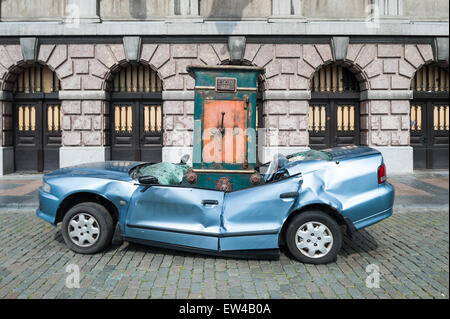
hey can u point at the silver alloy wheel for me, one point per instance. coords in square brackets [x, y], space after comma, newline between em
[83, 230]
[314, 239]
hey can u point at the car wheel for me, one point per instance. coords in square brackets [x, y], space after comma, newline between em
[314, 237]
[87, 228]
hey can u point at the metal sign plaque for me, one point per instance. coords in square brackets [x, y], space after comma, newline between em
[226, 84]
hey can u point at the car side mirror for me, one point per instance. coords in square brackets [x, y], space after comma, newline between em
[148, 180]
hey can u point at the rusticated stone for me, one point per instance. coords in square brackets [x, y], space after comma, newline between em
[278, 82]
[45, 50]
[400, 138]
[298, 83]
[250, 51]
[104, 55]
[66, 123]
[364, 122]
[118, 51]
[367, 55]
[161, 56]
[380, 82]
[189, 82]
[71, 83]
[71, 138]
[189, 107]
[81, 50]
[325, 52]
[59, 55]
[390, 66]
[406, 122]
[277, 107]
[299, 138]
[221, 51]
[352, 51]
[273, 68]
[298, 107]
[311, 56]
[81, 66]
[168, 122]
[271, 122]
[65, 70]
[15, 52]
[399, 107]
[413, 56]
[92, 83]
[97, 122]
[374, 122]
[5, 59]
[288, 66]
[289, 122]
[375, 68]
[168, 69]
[304, 69]
[288, 50]
[400, 82]
[184, 50]
[183, 122]
[97, 68]
[426, 52]
[389, 50]
[390, 123]
[406, 69]
[92, 138]
[380, 138]
[91, 107]
[147, 52]
[71, 107]
[265, 54]
[174, 138]
[173, 107]
[207, 54]
[277, 138]
[379, 107]
[81, 122]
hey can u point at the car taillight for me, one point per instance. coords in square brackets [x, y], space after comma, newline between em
[381, 174]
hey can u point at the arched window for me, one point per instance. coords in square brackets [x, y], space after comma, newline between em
[37, 119]
[136, 114]
[429, 116]
[334, 108]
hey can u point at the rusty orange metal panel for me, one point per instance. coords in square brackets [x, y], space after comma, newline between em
[231, 146]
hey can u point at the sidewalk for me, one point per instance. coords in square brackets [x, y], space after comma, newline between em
[422, 190]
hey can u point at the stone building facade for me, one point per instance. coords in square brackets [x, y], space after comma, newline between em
[86, 44]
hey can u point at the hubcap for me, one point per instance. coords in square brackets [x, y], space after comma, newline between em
[314, 239]
[84, 230]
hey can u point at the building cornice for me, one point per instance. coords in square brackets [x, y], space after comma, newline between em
[226, 28]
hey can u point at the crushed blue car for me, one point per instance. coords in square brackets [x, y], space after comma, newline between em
[306, 201]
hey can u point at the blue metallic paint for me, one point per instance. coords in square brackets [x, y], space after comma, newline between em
[246, 219]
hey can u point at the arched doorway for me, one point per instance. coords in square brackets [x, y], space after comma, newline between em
[334, 108]
[430, 117]
[136, 114]
[37, 119]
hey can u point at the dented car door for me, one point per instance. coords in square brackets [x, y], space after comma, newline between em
[176, 215]
[252, 217]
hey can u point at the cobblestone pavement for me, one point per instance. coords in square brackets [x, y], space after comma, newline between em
[410, 249]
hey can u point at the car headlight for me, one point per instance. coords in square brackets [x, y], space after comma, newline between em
[46, 187]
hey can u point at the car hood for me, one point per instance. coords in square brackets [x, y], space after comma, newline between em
[118, 170]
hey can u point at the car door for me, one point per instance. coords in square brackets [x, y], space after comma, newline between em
[181, 216]
[252, 217]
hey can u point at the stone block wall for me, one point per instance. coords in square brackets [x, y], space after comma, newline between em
[86, 69]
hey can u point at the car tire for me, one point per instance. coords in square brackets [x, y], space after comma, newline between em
[310, 231]
[87, 228]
